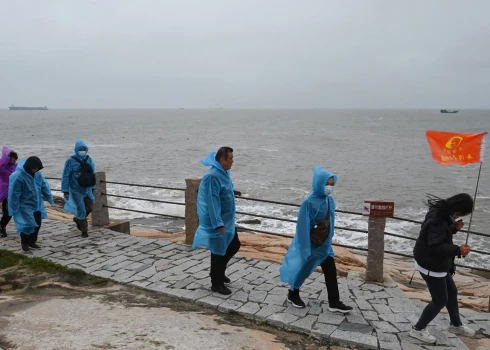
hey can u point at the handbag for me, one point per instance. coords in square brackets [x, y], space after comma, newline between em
[320, 232]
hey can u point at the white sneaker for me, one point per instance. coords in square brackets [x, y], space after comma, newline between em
[422, 335]
[461, 330]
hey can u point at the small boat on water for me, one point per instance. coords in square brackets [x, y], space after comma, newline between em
[449, 111]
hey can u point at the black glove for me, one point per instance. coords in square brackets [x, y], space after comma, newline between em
[452, 270]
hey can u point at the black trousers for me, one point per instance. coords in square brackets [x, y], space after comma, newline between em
[330, 273]
[32, 238]
[219, 262]
[444, 293]
[89, 206]
[6, 217]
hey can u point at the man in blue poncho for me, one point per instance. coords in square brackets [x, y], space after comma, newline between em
[216, 211]
[27, 188]
[77, 185]
[304, 256]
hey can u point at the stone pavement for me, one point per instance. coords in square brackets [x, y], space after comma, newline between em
[381, 318]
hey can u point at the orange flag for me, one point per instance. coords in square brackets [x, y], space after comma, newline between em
[456, 148]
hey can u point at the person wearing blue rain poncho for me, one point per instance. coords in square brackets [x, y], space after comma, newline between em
[303, 256]
[77, 185]
[27, 188]
[216, 211]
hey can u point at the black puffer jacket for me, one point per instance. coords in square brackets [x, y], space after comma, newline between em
[434, 249]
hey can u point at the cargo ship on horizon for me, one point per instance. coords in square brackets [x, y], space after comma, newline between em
[16, 108]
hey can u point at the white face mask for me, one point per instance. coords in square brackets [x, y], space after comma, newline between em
[82, 153]
[328, 190]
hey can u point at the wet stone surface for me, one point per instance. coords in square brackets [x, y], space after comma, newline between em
[381, 318]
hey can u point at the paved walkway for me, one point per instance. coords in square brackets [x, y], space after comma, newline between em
[381, 318]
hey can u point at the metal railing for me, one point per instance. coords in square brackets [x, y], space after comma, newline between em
[145, 212]
[346, 212]
[147, 186]
[273, 218]
[142, 199]
[135, 198]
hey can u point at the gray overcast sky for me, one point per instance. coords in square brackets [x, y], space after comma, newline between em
[245, 53]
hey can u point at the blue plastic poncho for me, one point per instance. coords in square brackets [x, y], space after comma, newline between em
[69, 184]
[303, 257]
[26, 193]
[215, 208]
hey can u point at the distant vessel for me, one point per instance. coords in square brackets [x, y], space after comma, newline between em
[449, 111]
[15, 108]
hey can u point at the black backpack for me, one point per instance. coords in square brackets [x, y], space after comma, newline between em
[86, 176]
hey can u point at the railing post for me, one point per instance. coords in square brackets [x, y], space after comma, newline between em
[100, 213]
[376, 247]
[191, 218]
[377, 212]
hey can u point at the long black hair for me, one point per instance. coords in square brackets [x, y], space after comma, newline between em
[461, 203]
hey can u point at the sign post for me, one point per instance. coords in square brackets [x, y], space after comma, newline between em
[377, 211]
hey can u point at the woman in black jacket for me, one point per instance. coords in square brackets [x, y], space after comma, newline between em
[434, 254]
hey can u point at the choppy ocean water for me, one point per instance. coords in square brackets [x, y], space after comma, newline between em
[377, 155]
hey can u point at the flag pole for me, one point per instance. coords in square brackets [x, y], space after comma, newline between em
[474, 203]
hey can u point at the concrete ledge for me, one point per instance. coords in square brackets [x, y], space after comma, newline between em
[121, 226]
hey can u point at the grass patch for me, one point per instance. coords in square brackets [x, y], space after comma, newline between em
[10, 259]
[43, 265]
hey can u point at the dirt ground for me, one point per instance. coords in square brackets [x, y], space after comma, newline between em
[45, 310]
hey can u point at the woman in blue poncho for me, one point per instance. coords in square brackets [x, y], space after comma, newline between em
[78, 197]
[303, 256]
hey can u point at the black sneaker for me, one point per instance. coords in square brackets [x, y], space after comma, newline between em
[221, 290]
[84, 234]
[293, 298]
[76, 221]
[339, 307]
[25, 248]
[3, 232]
[34, 246]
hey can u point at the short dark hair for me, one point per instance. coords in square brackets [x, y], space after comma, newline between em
[461, 203]
[223, 153]
[13, 155]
